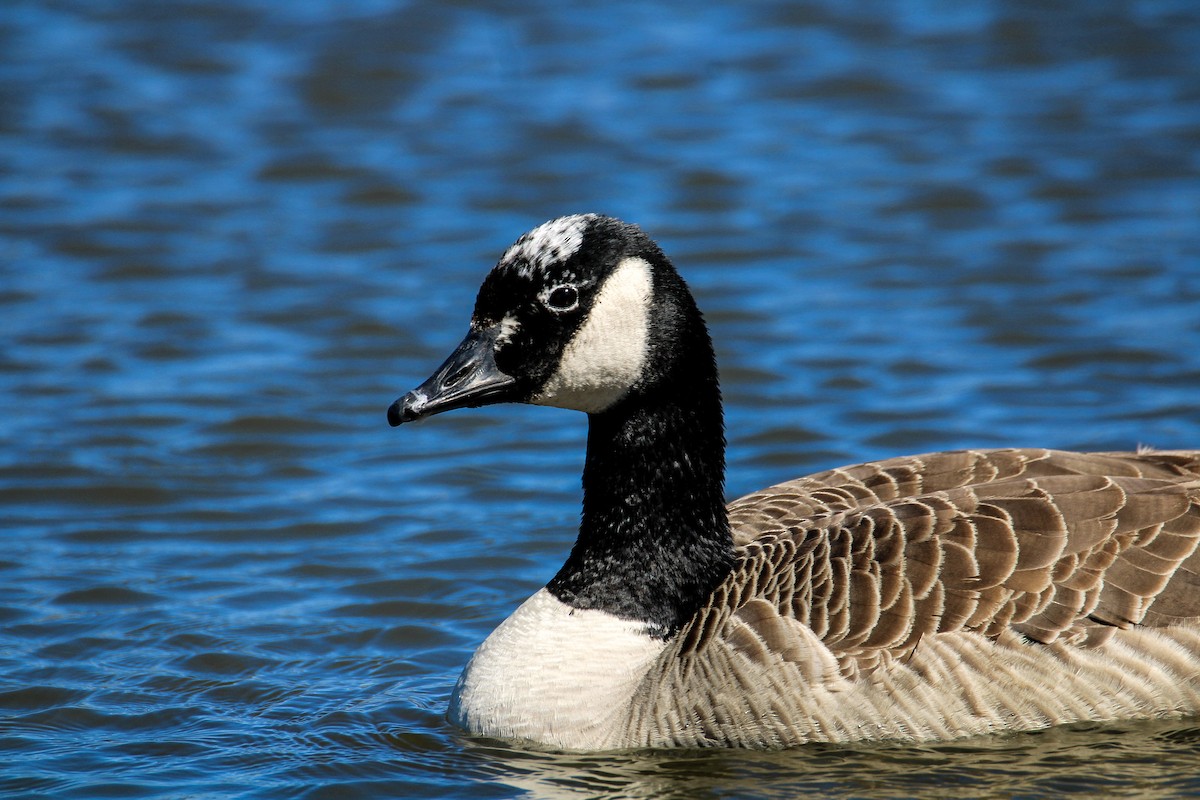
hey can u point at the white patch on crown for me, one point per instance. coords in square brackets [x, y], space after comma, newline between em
[606, 356]
[554, 674]
[549, 243]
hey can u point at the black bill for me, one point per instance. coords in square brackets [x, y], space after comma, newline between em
[469, 378]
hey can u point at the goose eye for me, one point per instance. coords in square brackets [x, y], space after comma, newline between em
[562, 298]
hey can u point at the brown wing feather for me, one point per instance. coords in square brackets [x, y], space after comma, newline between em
[873, 557]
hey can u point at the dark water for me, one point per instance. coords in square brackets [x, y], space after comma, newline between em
[231, 233]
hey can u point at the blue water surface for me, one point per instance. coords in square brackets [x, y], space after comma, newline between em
[233, 231]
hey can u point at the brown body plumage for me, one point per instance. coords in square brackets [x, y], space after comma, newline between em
[943, 567]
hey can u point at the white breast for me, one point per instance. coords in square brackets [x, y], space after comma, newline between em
[554, 674]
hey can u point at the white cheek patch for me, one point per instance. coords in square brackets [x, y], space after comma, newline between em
[606, 356]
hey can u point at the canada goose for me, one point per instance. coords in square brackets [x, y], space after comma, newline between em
[917, 598]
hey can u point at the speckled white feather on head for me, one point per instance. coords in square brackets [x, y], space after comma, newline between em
[508, 328]
[549, 243]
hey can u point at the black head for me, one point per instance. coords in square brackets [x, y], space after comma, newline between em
[578, 313]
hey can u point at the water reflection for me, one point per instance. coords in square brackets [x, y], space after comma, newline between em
[1055, 762]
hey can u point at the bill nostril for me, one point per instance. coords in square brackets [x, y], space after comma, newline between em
[457, 377]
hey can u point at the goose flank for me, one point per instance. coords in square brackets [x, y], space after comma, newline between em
[920, 598]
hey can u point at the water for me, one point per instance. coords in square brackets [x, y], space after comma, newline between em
[231, 233]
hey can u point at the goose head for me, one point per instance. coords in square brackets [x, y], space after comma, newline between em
[584, 312]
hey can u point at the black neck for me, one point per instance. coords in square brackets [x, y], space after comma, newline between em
[654, 538]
